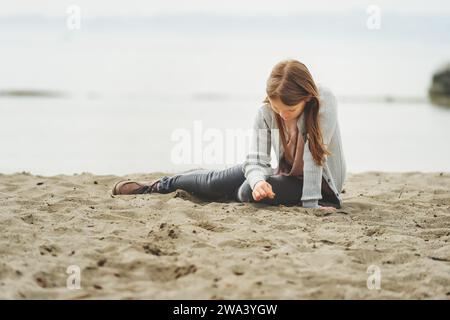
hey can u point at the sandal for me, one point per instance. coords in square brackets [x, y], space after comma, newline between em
[120, 187]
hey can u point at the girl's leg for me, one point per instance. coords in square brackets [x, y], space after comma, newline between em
[209, 184]
[288, 191]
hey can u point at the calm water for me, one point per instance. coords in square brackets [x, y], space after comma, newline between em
[48, 136]
[128, 86]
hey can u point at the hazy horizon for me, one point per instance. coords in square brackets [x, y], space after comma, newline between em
[250, 7]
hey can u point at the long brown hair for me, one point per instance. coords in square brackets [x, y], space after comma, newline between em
[291, 82]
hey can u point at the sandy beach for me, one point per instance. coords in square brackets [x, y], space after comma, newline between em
[176, 246]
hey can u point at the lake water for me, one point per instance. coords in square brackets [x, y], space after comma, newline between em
[125, 88]
[50, 136]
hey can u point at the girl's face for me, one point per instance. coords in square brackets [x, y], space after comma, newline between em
[288, 112]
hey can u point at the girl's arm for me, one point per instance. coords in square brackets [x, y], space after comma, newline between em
[257, 163]
[312, 173]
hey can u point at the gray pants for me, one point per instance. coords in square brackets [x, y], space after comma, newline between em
[230, 184]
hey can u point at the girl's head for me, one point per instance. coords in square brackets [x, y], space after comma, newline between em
[290, 92]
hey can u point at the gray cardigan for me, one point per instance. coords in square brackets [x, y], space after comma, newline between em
[257, 165]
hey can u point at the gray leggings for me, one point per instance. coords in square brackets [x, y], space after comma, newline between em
[231, 184]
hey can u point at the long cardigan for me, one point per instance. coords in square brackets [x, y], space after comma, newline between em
[257, 165]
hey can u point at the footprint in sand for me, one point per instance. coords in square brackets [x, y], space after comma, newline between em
[55, 278]
[364, 256]
[208, 225]
[49, 249]
[168, 273]
[165, 232]
[399, 258]
[356, 207]
[264, 244]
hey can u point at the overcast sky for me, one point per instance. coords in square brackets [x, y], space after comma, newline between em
[247, 7]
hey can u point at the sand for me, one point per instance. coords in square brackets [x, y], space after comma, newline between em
[177, 246]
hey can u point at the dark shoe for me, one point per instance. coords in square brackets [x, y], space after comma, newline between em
[124, 187]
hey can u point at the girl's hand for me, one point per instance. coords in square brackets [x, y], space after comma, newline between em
[262, 190]
[327, 209]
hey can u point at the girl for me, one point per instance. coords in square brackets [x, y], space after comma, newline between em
[311, 166]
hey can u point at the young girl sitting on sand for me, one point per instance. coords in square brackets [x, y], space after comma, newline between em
[311, 166]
